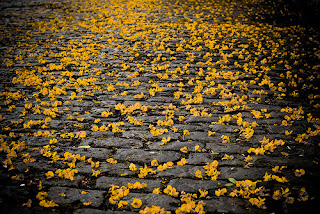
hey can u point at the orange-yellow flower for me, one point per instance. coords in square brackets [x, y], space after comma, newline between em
[198, 174]
[203, 193]
[132, 167]
[46, 203]
[137, 203]
[299, 172]
[156, 191]
[220, 191]
[122, 204]
[49, 174]
[186, 132]
[154, 163]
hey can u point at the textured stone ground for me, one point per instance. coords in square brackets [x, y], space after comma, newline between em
[151, 106]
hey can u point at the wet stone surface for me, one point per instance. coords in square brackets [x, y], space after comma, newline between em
[151, 106]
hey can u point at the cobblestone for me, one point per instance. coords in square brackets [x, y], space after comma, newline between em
[71, 195]
[136, 106]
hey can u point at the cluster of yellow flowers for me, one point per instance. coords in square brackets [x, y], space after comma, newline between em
[118, 193]
[266, 146]
[212, 170]
[228, 66]
[189, 205]
[247, 189]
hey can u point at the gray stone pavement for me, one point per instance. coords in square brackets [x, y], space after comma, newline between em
[137, 106]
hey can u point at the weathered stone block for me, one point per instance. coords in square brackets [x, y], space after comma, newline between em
[138, 155]
[73, 195]
[105, 182]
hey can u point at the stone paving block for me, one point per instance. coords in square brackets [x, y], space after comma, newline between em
[199, 136]
[175, 145]
[105, 182]
[227, 147]
[137, 134]
[74, 196]
[35, 141]
[138, 155]
[242, 173]
[96, 211]
[236, 160]
[112, 169]
[63, 182]
[164, 201]
[230, 205]
[202, 119]
[91, 211]
[161, 99]
[193, 186]
[149, 119]
[96, 153]
[116, 142]
[39, 165]
[148, 136]
[101, 135]
[223, 128]
[192, 127]
[186, 171]
[201, 158]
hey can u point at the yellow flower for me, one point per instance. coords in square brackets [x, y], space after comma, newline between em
[184, 149]
[196, 148]
[203, 193]
[95, 128]
[299, 172]
[113, 199]
[137, 185]
[220, 192]
[111, 88]
[154, 209]
[154, 163]
[49, 174]
[165, 140]
[226, 139]
[97, 120]
[247, 133]
[259, 202]
[132, 167]
[122, 204]
[174, 129]
[198, 174]
[95, 173]
[106, 114]
[28, 204]
[256, 114]
[210, 133]
[182, 162]
[186, 132]
[46, 203]
[81, 134]
[41, 195]
[139, 96]
[112, 161]
[287, 132]
[181, 118]
[156, 191]
[226, 157]
[276, 195]
[171, 191]
[87, 203]
[137, 203]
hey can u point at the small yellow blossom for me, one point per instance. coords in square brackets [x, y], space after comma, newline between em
[137, 203]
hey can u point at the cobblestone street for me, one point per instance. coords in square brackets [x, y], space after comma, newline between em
[162, 106]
